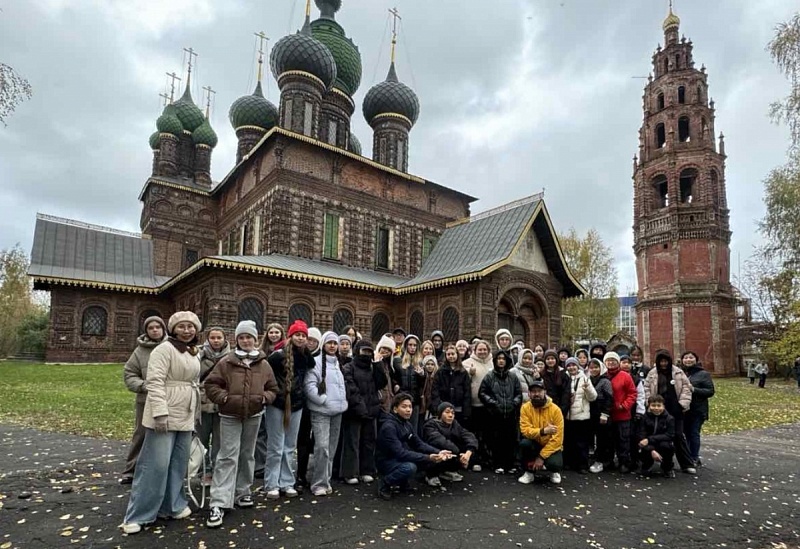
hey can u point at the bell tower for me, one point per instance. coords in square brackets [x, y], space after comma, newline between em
[681, 218]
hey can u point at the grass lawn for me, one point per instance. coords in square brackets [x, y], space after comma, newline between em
[92, 400]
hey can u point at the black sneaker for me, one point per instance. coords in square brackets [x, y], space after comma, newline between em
[669, 474]
[624, 469]
[214, 519]
[126, 480]
[245, 501]
[384, 491]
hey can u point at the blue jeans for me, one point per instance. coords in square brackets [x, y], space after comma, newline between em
[159, 476]
[396, 473]
[281, 444]
[692, 425]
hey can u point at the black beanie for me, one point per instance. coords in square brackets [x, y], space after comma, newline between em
[442, 407]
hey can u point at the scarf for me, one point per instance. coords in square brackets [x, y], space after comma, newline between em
[182, 347]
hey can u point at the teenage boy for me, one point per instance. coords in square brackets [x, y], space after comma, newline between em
[656, 431]
[445, 433]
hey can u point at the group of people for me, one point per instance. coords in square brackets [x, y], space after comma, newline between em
[260, 405]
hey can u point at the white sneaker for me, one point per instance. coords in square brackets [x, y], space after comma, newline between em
[596, 467]
[476, 468]
[526, 478]
[319, 492]
[499, 471]
[328, 491]
[290, 492]
[131, 528]
[452, 476]
[555, 478]
[183, 514]
[367, 479]
[273, 494]
[433, 481]
[351, 481]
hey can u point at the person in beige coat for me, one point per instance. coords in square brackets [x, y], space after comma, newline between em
[169, 418]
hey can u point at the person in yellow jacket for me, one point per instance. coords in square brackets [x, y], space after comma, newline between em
[541, 426]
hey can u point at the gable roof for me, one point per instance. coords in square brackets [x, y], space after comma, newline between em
[475, 248]
[90, 255]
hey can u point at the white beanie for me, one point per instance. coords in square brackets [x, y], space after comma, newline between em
[247, 327]
[314, 333]
[611, 355]
[184, 316]
[327, 337]
[387, 342]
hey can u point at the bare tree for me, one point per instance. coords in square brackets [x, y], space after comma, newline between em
[13, 90]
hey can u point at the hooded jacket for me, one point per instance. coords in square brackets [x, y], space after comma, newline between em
[482, 367]
[601, 407]
[556, 382]
[454, 386]
[451, 437]
[208, 359]
[334, 400]
[135, 371]
[241, 390]
[408, 379]
[601, 346]
[657, 429]
[438, 352]
[532, 420]
[502, 331]
[303, 362]
[397, 441]
[678, 382]
[500, 391]
[624, 393]
[703, 389]
[583, 394]
[364, 380]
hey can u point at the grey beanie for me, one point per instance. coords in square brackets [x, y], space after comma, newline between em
[247, 327]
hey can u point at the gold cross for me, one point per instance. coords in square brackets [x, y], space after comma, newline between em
[209, 92]
[174, 77]
[396, 17]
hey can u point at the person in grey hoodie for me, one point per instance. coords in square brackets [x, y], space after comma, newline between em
[326, 399]
[134, 375]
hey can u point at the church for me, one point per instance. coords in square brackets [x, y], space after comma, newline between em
[303, 226]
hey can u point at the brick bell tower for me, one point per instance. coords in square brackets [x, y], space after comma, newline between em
[681, 218]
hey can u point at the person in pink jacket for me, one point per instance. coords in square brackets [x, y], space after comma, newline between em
[624, 392]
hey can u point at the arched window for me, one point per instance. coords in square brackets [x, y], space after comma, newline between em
[252, 309]
[661, 101]
[660, 189]
[342, 318]
[145, 315]
[416, 325]
[666, 65]
[301, 311]
[715, 187]
[380, 326]
[683, 129]
[681, 95]
[661, 136]
[450, 324]
[687, 182]
[677, 62]
[699, 93]
[94, 321]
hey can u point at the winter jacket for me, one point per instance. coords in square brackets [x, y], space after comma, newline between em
[407, 379]
[601, 407]
[500, 391]
[208, 359]
[334, 401]
[679, 381]
[556, 382]
[751, 370]
[241, 390]
[363, 381]
[624, 395]
[641, 402]
[657, 429]
[303, 362]
[451, 437]
[482, 367]
[532, 420]
[703, 389]
[523, 383]
[135, 372]
[453, 386]
[581, 397]
[172, 388]
[387, 393]
[397, 441]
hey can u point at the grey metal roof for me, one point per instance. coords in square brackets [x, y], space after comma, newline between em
[68, 249]
[315, 267]
[473, 246]
[178, 181]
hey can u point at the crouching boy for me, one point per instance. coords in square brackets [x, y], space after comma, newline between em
[656, 431]
[541, 426]
[445, 433]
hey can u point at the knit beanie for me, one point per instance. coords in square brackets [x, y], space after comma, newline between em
[386, 342]
[315, 333]
[430, 358]
[572, 360]
[184, 316]
[611, 355]
[345, 337]
[298, 326]
[158, 319]
[246, 327]
[442, 407]
[328, 337]
[550, 352]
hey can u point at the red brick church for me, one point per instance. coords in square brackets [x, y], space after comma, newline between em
[305, 226]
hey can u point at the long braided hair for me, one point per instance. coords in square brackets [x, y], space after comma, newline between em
[288, 370]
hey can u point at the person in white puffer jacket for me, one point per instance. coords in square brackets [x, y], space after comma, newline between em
[577, 428]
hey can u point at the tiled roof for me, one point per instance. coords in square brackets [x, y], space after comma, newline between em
[69, 250]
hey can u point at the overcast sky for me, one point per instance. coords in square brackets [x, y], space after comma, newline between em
[516, 95]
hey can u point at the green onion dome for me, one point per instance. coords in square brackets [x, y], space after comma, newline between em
[168, 122]
[253, 110]
[205, 135]
[303, 52]
[155, 140]
[345, 54]
[391, 97]
[188, 113]
[354, 145]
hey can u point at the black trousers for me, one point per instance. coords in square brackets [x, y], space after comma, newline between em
[666, 450]
[622, 441]
[681, 446]
[502, 436]
[762, 380]
[577, 439]
[305, 447]
[480, 425]
[602, 436]
[358, 450]
[634, 441]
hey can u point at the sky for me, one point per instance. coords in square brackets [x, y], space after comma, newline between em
[516, 96]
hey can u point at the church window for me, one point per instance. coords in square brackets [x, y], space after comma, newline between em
[683, 129]
[341, 319]
[94, 321]
[382, 248]
[231, 243]
[287, 114]
[661, 101]
[417, 323]
[715, 187]
[301, 311]
[308, 119]
[401, 155]
[191, 258]
[661, 136]
[687, 184]
[677, 62]
[331, 248]
[252, 309]
[379, 327]
[450, 324]
[666, 65]
[243, 243]
[681, 95]
[699, 94]
[661, 188]
[428, 243]
[332, 127]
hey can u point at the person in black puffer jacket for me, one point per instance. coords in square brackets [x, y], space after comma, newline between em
[702, 390]
[655, 436]
[364, 377]
[556, 382]
[452, 384]
[408, 376]
[445, 432]
[501, 394]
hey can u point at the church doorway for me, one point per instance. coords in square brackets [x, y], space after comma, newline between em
[524, 314]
